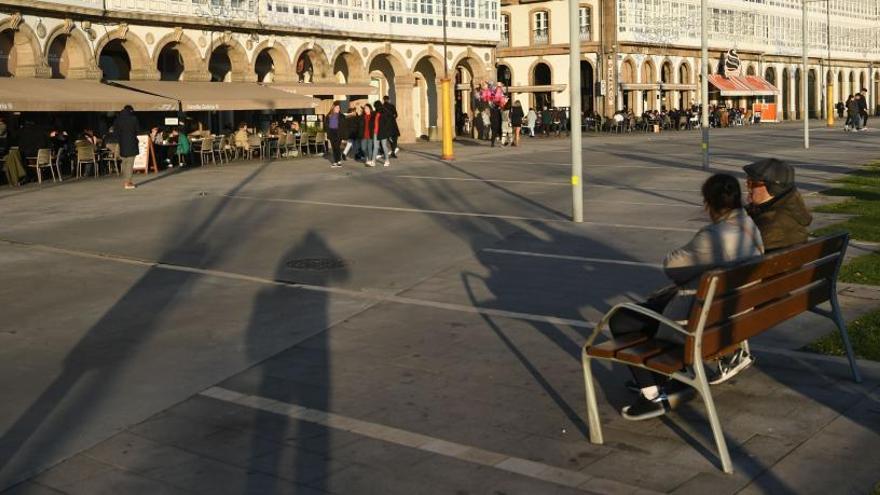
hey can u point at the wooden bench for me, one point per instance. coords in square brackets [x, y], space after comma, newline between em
[731, 306]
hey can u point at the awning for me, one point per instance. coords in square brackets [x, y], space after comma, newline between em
[640, 86]
[678, 87]
[326, 89]
[742, 85]
[546, 88]
[19, 94]
[216, 96]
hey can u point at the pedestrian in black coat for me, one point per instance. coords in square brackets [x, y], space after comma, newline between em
[127, 127]
[391, 112]
[495, 122]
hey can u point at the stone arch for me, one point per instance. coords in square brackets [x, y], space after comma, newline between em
[666, 71]
[628, 71]
[472, 63]
[75, 59]
[684, 68]
[541, 74]
[24, 58]
[751, 71]
[281, 68]
[648, 75]
[311, 59]
[239, 69]
[138, 55]
[193, 65]
[428, 70]
[504, 73]
[355, 69]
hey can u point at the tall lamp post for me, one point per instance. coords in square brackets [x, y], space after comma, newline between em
[704, 84]
[446, 99]
[805, 108]
[574, 89]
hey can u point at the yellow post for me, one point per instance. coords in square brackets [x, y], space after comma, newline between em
[829, 97]
[448, 120]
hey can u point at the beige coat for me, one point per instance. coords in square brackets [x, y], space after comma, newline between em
[732, 239]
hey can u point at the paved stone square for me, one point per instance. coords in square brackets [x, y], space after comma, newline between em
[179, 338]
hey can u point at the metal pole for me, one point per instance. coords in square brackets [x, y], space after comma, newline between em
[574, 90]
[704, 88]
[829, 97]
[804, 78]
[446, 113]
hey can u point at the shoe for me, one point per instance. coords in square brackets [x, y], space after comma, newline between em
[646, 408]
[129, 185]
[396, 150]
[370, 164]
[386, 164]
[730, 366]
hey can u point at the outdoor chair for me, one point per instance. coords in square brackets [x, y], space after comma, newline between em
[207, 149]
[320, 141]
[217, 150]
[112, 158]
[227, 148]
[85, 154]
[304, 144]
[44, 160]
[255, 145]
[290, 144]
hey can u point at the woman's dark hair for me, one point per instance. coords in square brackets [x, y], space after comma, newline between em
[721, 193]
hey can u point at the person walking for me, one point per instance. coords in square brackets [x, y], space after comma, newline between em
[382, 129]
[546, 121]
[391, 114]
[516, 121]
[531, 120]
[334, 133]
[353, 126]
[495, 123]
[863, 109]
[853, 110]
[366, 124]
[126, 126]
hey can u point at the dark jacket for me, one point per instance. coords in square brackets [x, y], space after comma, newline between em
[495, 120]
[863, 105]
[783, 220]
[390, 112]
[386, 125]
[354, 126]
[126, 126]
[516, 116]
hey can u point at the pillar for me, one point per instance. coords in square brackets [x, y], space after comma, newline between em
[403, 92]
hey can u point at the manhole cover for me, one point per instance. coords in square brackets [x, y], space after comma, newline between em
[317, 264]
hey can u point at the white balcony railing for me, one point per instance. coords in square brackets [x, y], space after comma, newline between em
[585, 33]
[541, 37]
[504, 43]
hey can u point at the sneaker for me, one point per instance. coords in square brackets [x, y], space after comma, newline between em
[129, 185]
[386, 164]
[396, 150]
[646, 408]
[370, 164]
[730, 366]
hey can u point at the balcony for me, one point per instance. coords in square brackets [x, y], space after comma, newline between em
[505, 41]
[541, 37]
[585, 33]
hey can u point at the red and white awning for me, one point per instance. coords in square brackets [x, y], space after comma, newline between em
[742, 85]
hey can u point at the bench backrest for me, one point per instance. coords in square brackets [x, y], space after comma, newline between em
[752, 297]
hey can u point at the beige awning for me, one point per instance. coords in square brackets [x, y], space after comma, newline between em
[326, 89]
[678, 87]
[546, 88]
[19, 94]
[216, 96]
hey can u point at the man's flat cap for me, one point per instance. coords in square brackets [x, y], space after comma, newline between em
[777, 175]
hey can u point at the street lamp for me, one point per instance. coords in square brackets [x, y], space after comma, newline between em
[704, 84]
[805, 71]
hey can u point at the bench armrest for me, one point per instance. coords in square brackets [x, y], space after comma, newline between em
[638, 309]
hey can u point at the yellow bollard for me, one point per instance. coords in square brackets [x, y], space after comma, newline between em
[829, 97]
[448, 120]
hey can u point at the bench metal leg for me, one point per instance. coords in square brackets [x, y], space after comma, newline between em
[844, 336]
[702, 387]
[592, 410]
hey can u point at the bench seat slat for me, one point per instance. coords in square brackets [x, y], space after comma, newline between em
[747, 325]
[609, 348]
[668, 361]
[639, 353]
[765, 291]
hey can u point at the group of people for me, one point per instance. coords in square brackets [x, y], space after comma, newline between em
[774, 217]
[856, 108]
[370, 132]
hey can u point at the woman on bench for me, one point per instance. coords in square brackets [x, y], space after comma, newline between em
[730, 238]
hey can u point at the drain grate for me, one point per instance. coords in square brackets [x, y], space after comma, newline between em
[317, 264]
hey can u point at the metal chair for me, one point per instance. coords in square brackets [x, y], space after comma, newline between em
[112, 157]
[255, 144]
[320, 141]
[207, 148]
[44, 160]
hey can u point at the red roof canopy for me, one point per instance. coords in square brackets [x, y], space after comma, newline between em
[742, 85]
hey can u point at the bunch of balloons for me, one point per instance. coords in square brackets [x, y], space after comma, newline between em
[492, 93]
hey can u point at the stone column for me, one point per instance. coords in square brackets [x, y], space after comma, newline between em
[638, 104]
[440, 122]
[197, 75]
[144, 74]
[403, 91]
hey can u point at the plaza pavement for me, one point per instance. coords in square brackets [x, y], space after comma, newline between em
[168, 340]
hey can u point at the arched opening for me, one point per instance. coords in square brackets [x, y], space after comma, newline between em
[542, 76]
[684, 77]
[265, 67]
[587, 87]
[798, 92]
[220, 65]
[649, 76]
[751, 71]
[505, 77]
[348, 67]
[340, 70]
[812, 95]
[863, 83]
[852, 83]
[770, 76]
[305, 70]
[666, 102]
[170, 63]
[425, 96]
[875, 91]
[841, 93]
[59, 58]
[786, 94]
[114, 62]
[8, 57]
[628, 76]
[382, 74]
